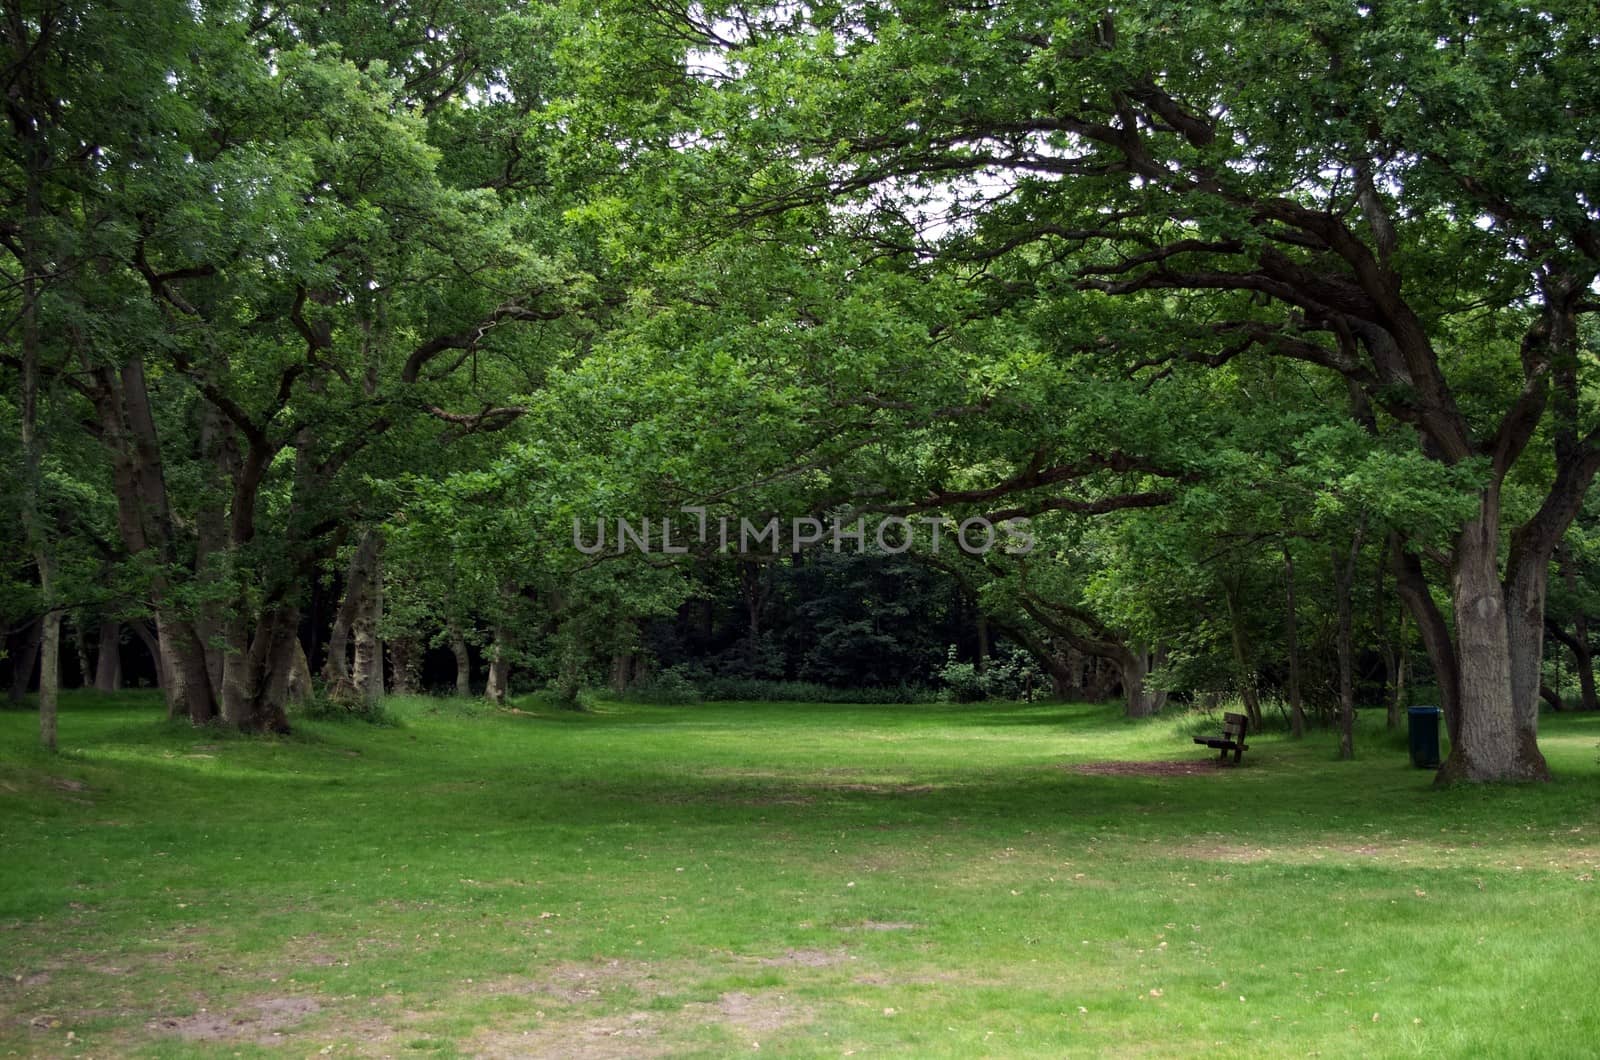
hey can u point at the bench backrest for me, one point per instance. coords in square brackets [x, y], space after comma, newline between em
[1234, 725]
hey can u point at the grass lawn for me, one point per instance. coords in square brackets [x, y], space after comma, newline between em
[795, 879]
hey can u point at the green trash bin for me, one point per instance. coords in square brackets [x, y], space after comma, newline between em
[1423, 725]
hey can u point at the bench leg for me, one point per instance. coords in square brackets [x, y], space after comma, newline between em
[1238, 755]
[1222, 759]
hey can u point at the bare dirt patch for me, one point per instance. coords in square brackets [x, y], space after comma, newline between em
[639, 1033]
[263, 1019]
[744, 1013]
[881, 925]
[576, 983]
[805, 959]
[1182, 768]
[617, 1037]
[1231, 852]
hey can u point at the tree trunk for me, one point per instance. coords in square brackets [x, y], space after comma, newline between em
[1402, 656]
[1291, 631]
[34, 522]
[1577, 641]
[144, 522]
[49, 664]
[1498, 738]
[1344, 576]
[498, 684]
[300, 676]
[569, 677]
[621, 671]
[108, 658]
[80, 645]
[152, 644]
[403, 665]
[458, 648]
[1435, 633]
[260, 676]
[1244, 669]
[366, 676]
[220, 455]
[983, 643]
[354, 608]
[1134, 667]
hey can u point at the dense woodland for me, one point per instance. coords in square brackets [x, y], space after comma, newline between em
[326, 324]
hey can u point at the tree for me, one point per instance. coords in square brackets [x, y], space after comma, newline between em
[1429, 186]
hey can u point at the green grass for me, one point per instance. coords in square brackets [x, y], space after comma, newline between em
[927, 880]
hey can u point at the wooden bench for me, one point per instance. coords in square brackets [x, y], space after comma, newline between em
[1230, 739]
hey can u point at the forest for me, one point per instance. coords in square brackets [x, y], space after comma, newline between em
[611, 528]
[325, 322]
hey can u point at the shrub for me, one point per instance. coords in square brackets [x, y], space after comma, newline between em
[321, 707]
[1005, 677]
[961, 680]
[671, 686]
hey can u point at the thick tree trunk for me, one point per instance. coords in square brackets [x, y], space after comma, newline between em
[300, 676]
[220, 454]
[144, 522]
[622, 664]
[260, 676]
[1435, 633]
[108, 658]
[353, 609]
[403, 665]
[35, 524]
[498, 684]
[1134, 667]
[1498, 738]
[49, 662]
[1291, 636]
[458, 648]
[366, 676]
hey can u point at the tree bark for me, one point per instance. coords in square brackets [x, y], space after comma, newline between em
[49, 671]
[353, 609]
[1134, 666]
[1498, 739]
[1344, 575]
[108, 657]
[80, 645]
[366, 676]
[1402, 657]
[300, 676]
[144, 522]
[1412, 586]
[458, 648]
[1291, 632]
[152, 644]
[33, 517]
[403, 663]
[498, 684]
[1244, 669]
